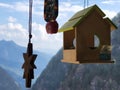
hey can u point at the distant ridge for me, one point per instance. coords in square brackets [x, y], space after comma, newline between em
[7, 82]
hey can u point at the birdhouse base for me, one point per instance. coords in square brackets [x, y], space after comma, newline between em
[98, 61]
[69, 56]
[68, 61]
[89, 61]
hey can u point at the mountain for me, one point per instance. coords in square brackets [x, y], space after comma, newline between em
[7, 82]
[116, 38]
[64, 76]
[54, 73]
[11, 59]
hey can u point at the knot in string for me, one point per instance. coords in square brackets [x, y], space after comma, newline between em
[30, 20]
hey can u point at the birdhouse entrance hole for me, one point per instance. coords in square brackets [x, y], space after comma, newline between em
[68, 40]
[96, 42]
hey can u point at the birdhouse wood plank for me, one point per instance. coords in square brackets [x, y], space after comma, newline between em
[92, 34]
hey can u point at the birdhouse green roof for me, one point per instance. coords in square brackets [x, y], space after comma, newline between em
[80, 16]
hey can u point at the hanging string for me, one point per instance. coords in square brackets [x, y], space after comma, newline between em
[86, 3]
[30, 46]
[30, 20]
[29, 57]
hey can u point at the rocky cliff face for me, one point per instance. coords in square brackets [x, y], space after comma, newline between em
[63, 76]
[52, 77]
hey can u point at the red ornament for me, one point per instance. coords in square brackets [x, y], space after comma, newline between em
[52, 27]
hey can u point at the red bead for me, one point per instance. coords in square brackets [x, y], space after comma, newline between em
[52, 27]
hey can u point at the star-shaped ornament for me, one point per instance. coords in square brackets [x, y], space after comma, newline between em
[28, 67]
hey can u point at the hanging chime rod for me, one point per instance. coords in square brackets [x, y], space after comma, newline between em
[29, 57]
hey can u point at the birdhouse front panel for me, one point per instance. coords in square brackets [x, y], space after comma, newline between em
[91, 26]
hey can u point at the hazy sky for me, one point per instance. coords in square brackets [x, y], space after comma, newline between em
[14, 21]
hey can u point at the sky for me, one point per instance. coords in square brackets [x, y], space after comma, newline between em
[14, 21]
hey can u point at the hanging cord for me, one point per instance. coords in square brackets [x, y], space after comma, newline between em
[30, 46]
[29, 57]
[86, 3]
[30, 20]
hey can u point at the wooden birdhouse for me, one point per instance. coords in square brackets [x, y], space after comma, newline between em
[90, 31]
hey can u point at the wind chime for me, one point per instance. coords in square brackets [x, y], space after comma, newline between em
[29, 57]
[50, 15]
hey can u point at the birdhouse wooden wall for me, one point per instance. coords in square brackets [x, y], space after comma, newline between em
[85, 32]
